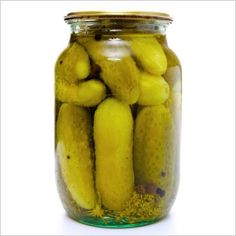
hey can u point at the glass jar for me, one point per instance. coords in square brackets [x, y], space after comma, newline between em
[117, 119]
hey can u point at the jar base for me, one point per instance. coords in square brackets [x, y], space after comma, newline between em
[109, 222]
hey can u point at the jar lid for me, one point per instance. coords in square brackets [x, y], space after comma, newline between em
[118, 15]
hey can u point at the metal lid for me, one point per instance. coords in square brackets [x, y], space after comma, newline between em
[118, 15]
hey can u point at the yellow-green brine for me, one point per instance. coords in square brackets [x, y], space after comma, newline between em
[117, 119]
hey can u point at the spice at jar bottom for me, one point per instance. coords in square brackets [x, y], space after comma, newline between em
[117, 119]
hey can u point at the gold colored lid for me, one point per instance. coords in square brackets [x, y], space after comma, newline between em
[118, 15]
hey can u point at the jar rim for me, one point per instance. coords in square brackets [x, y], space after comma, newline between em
[135, 15]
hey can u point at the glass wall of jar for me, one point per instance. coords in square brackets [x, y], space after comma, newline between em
[117, 119]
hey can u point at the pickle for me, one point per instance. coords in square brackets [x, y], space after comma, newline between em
[173, 78]
[149, 54]
[173, 72]
[74, 134]
[113, 135]
[154, 148]
[73, 64]
[85, 93]
[118, 69]
[154, 90]
[172, 58]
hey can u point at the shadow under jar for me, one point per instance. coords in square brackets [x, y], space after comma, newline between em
[117, 119]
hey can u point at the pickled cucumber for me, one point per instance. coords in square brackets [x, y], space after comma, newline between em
[154, 90]
[74, 134]
[118, 69]
[173, 78]
[113, 135]
[154, 148]
[149, 54]
[173, 72]
[73, 64]
[172, 59]
[87, 93]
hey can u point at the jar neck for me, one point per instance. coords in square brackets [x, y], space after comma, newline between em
[117, 26]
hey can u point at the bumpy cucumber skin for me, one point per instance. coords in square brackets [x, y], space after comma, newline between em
[119, 70]
[86, 93]
[113, 136]
[149, 54]
[154, 149]
[154, 90]
[74, 134]
[73, 64]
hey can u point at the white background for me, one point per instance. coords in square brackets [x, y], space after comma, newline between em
[202, 35]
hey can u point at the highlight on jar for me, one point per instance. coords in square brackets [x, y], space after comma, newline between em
[117, 119]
